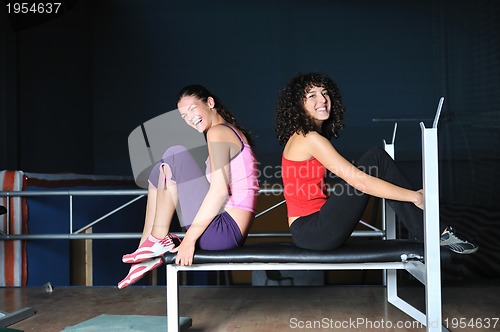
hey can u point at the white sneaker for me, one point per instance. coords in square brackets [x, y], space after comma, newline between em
[151, 248]
[450, 240]
[137, 271]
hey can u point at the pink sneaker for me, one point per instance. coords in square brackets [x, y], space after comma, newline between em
[151, 248]
[137, 271]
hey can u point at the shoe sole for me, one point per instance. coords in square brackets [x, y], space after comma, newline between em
[463, 252]
[137, 274]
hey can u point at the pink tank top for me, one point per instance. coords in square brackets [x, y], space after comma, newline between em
[243, 181]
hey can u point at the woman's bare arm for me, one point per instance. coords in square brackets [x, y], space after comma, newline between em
[321, 149]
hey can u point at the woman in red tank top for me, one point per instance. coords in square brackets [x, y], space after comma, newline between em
[309, 113]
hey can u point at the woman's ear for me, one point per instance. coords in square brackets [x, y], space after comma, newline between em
[211, 102]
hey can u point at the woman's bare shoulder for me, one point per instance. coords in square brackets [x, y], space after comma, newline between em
[219, 133]
[301, 147]
[314, 138]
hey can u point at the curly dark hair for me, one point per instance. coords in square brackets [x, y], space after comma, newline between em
[291, 117]
[202, 93]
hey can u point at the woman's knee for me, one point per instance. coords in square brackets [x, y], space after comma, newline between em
[371, 160]
[171, 155]
[376, 151]
[172, 152]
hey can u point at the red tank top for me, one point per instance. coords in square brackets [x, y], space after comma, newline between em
[304, 186]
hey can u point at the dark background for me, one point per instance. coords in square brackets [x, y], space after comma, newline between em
[74, 85]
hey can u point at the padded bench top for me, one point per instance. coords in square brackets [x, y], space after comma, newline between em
[366, 251]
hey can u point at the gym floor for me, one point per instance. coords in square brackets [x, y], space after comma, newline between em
[246, 308]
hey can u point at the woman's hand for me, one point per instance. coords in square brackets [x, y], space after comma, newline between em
[419, 201]
[185, 253]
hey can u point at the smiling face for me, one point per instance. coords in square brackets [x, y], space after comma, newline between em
[197, 113]
[317, 104]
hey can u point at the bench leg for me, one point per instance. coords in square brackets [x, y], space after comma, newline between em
[431, 229]
[172, 299]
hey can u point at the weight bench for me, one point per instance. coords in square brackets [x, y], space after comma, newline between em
[422, 260]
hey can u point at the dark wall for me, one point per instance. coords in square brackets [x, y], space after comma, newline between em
[48, 105]
[74, 87]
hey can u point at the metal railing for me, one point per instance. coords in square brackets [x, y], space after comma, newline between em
[139, 193]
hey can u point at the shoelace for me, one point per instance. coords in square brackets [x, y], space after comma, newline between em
[168, 240]
[453, 234]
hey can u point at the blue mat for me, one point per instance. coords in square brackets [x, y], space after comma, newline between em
[126, 323]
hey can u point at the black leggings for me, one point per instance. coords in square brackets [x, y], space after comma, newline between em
[333, 224]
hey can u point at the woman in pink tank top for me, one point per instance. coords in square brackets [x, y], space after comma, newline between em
[215, 206]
